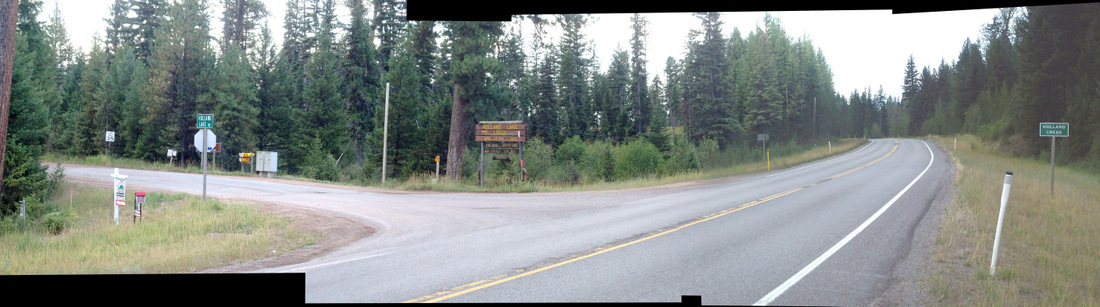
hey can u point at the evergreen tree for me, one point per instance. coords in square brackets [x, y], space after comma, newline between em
[545, 105]
[322, 114]
[641, 108]
[32, 90]
[240, 19]
[578, 115]
[708, 101]
[389, 20]
[234, 95]
[361, 77]
[178, 63]
[471, 69]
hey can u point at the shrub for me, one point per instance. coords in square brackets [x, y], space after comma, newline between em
[638, 158]
[571, 150]
[684, 157]
[598, 161]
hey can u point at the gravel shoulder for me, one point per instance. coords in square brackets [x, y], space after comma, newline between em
[906, 286]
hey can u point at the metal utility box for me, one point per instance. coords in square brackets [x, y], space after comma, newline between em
[267, 163]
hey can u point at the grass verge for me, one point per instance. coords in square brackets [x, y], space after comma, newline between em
[177, 233]
[1049, 254]
[424, 182]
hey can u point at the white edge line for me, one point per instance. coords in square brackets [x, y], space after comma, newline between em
[303, 269]
[825, 161]
[767, 299]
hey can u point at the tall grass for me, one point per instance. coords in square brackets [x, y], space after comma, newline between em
[727, 163]
[177, 233]
[1049, 252]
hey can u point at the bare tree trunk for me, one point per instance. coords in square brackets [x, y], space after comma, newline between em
[9, 14]
[457, 143]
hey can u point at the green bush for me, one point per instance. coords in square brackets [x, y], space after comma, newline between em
[571, 150]
[598, 161]
[56, 222]
[684, 157]
[638, 158]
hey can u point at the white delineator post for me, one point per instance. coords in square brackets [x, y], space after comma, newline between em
[1000, 223]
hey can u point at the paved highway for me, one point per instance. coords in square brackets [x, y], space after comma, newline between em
[831, 232]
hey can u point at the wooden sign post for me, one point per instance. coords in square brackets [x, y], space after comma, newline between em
[505, 137]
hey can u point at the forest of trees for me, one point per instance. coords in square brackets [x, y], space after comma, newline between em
[1031, 65]
[317, 97]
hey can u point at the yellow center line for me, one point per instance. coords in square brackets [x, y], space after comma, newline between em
[496, 280]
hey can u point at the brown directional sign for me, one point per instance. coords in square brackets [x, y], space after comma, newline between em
[502, 151]
[499, 138]
[501, 126]
[502, 145]
[501, 132]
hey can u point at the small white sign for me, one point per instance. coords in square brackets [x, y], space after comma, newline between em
[110, 136]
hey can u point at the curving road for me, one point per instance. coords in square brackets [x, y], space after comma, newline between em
[833, 232]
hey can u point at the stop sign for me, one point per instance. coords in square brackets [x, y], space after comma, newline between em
[211, 139]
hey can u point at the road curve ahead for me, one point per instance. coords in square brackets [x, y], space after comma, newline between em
[830, 232]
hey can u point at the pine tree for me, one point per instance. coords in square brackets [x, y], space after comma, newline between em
[235, 99]
[708, 99]
[180, 58]
[389, 19]
[572, 75]
[32, 89]
[361, 77]
[322, 114]
[471, 69]
[240, 19]
[640, 106]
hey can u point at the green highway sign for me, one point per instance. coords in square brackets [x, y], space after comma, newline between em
[1054, 129]
[205, 121]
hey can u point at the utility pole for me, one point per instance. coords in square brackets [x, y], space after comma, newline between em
[385, 131]
[814, 123]
[9, 13]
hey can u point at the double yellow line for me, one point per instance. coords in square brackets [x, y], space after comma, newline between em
[496, 280]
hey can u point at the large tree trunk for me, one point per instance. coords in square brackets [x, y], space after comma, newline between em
[9, 13]
[457, 143]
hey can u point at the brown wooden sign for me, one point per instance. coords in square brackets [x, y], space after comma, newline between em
[501, 132]
[502, 151]
[499, 138]
[502, 145]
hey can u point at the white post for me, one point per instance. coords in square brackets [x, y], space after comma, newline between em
[830, 146]
[1000, 222]
[119, 180]
[385, 131]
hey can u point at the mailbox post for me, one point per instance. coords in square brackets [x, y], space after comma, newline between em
[139, 199]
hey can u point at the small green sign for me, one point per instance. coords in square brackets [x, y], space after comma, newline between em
[1054, 129]
[205, 121]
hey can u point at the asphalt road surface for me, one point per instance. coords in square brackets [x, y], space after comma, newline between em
[832, 232]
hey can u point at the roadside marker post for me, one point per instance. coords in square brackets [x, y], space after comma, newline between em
[139, 199]
[1053, 130]
[205, 122]
[1000, 222]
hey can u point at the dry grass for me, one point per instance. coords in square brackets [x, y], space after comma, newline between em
[1049, 253]
[424, 182]
[177, 234]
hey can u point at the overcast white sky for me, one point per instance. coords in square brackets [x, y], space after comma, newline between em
[864, 48]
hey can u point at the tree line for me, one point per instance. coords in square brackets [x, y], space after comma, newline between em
[317, 98]
[1031, 65]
